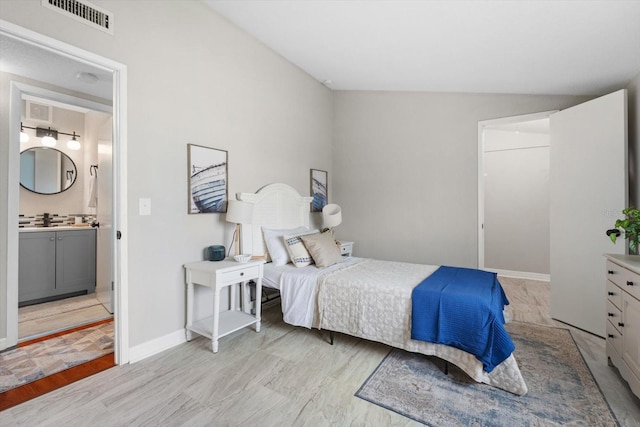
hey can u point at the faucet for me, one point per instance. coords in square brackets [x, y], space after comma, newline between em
[46, 219]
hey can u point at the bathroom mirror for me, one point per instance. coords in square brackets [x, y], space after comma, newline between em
[45, 170]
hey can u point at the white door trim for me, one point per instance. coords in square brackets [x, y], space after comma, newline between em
[119, 194]
[482, 125]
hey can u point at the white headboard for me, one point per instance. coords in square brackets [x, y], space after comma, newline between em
[274, 206]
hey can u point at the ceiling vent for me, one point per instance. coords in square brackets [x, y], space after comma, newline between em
[83, 11]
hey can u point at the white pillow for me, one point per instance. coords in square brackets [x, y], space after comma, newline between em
[275, 243]
[323, 249]
[299, 255]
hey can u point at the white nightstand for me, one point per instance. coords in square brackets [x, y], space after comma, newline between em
[217, 275]
[346, 248]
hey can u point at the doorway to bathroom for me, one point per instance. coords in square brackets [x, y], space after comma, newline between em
[18, 84]
[65, 278]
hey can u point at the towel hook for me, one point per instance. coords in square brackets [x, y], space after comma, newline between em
[92, 168]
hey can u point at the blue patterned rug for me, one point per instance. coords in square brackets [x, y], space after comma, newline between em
[562, 390]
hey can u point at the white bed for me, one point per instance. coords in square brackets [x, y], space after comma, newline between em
[353, 296]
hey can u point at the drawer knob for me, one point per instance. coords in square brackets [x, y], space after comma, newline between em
[610, 335]
[621, 324]
[611, 314]
[611, 272]
[242, 273]
[611, 293]
[629, 283]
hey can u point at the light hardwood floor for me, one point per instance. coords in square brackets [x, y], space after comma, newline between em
[281, 376]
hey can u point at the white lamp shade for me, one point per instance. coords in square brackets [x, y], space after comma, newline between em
[331, 215]
[239, 212]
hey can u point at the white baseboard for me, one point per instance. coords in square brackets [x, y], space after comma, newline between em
[521, 274]
[155, 346]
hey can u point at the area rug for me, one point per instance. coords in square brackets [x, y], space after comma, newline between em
[562, 390]
[34, 361]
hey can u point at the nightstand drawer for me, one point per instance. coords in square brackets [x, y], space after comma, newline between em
[346, 248]
[240, 275]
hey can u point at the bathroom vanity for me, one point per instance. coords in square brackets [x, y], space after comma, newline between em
[56, 262]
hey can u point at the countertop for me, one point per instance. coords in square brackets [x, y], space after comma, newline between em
[57, 228]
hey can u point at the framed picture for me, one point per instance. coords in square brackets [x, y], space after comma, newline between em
[208, 187]
[319, 189]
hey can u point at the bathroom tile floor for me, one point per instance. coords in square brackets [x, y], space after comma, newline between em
[46, 318]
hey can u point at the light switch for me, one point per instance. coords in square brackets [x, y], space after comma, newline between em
[145, 206]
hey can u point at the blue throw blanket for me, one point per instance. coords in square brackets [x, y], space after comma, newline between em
[462, 307]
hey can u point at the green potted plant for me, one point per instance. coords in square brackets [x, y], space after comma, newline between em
[630, 226]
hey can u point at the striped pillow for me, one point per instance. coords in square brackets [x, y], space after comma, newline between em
[297, 250]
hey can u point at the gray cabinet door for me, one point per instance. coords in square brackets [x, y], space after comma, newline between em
[75, 261]
[37, 265]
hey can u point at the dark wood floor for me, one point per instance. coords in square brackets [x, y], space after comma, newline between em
[44, 385]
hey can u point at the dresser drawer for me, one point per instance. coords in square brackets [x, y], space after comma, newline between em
[240, 275]
[626, 279]
[614, 337]
[614, 315]
[614, 294]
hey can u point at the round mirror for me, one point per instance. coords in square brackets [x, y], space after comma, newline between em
[46, 170]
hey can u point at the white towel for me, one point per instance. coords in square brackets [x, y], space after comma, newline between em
[93, 191]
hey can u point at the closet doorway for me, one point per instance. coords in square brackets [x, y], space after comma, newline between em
[514, 236]
[588, 177]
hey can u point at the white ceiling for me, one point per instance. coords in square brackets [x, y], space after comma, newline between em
[485, 46]
[23, 59]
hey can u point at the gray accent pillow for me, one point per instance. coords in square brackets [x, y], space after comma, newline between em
[323, 249]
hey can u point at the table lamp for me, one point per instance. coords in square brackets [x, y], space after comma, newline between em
[331, 216]
[239, 213]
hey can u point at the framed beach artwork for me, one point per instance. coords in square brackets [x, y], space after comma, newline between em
[319, 189]
[208, 187]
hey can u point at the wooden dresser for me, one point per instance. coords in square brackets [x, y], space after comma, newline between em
[623, 317]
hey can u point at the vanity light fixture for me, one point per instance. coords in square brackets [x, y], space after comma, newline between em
[50, 137]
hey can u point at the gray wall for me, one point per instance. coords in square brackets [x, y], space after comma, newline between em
[516, 201]
[406, 170]
[192, 78]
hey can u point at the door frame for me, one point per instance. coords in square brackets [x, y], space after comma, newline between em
[482, 125]
[119, 255]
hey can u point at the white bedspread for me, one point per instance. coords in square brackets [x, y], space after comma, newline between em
[372, 300]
